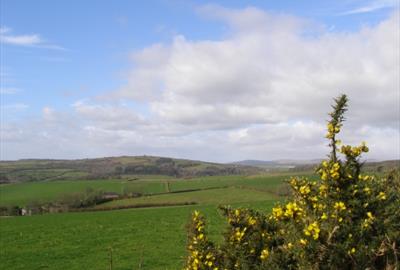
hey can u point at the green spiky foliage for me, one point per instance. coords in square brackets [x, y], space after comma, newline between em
[345, 220]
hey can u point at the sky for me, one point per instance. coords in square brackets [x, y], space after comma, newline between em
[217, 81]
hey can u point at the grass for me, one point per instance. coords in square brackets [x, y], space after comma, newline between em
[213, 196]
[266, 182]
[152, 237]
[24, 193]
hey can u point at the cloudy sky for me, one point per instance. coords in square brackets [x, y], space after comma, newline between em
[217, 81]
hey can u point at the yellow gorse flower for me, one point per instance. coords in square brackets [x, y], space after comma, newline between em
[293, 210]
[354, 151]
[381, 196]
[312, 230]
[323, 190]
[351, 251]
[332, 130]
[199, 258]
[340, 206]
[237, 212]
[334, 171]
[304, 190]
[239, 233]
[277, 212]
[368, 221]
[252, 221]
[303, 241]
[264, 254]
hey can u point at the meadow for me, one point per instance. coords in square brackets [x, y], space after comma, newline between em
[148, 238]
[144, 238]
[23, 193]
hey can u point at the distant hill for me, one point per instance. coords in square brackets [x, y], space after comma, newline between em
[129, 167]
[307, 165]
[276, 164]
[114, 167]
[252, 162]
[369, 166]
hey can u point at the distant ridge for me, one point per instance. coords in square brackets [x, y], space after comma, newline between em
[114, 167]
[128, 167]
[309, 164]
[276, 163]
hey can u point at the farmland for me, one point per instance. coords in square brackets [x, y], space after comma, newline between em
[143, 238]
[151, 237]
[24, 193]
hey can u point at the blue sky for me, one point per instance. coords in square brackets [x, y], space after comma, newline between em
[77, 58]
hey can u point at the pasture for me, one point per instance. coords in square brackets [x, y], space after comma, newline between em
[24, 193]
[144, 238]
[147, 238]
[216, 196]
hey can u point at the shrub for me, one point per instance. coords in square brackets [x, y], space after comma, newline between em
[344, 220]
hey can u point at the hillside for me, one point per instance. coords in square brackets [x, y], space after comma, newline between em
[276, 164]
[114, 167]
[309, 165]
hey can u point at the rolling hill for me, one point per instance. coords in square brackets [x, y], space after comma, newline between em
[114, 167]
[309, 165]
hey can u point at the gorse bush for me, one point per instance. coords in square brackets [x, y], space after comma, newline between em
[344, 220]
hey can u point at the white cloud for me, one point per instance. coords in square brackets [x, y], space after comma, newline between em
[262, 91]
[109, 117]
[33, 40]
[372, 6]
[22, 40]
[271, 73]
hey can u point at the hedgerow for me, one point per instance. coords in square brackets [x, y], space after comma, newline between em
[345, 220]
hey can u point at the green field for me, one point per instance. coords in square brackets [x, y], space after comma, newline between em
[204, 197]
[24, 193]
[262, 181]
[151, 237]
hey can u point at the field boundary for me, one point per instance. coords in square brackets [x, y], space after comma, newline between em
[258, 189]
[144, 205]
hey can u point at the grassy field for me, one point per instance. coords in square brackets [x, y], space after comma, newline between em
[204, 197]
[151, 237]
[262, 182]
[225, 181]
[24, 193]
